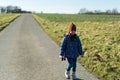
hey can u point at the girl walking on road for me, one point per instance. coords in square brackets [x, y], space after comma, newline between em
[71, 48]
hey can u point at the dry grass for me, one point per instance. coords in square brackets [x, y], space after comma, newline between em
[100, 40]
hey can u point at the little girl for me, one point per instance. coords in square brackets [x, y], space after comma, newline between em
[71, 48]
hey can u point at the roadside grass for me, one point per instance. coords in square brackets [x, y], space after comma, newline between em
[5, 19]
[100, 40]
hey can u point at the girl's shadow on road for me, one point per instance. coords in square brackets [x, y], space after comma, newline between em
[78, 79]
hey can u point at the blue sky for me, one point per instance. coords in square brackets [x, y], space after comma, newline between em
[62, 6]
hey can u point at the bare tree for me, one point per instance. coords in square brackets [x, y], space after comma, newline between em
[97, 11]
[82, 11]
[108, 11]
[115, 11]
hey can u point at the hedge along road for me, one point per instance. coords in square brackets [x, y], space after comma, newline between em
[27, 53]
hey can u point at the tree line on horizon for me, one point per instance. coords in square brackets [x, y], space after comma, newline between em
[114, 11]
[12, 9]
[17, 9]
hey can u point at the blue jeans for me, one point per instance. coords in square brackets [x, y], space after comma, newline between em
[71, 64]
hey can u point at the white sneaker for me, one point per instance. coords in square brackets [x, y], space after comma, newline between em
[74, 75]
[67, 74]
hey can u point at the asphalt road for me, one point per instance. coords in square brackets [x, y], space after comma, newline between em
[27, 53]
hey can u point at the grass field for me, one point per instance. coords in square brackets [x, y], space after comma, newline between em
[5, 19]
[79, 18]
[100, 37]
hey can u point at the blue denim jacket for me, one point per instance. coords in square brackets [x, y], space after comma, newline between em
[71, 49]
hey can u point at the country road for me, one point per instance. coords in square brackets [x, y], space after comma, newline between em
[27, 53]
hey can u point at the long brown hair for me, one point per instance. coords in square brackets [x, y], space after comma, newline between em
[71, 27]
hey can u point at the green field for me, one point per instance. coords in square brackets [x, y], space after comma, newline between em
[79, 18]
[5, 19]
[100, 37]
